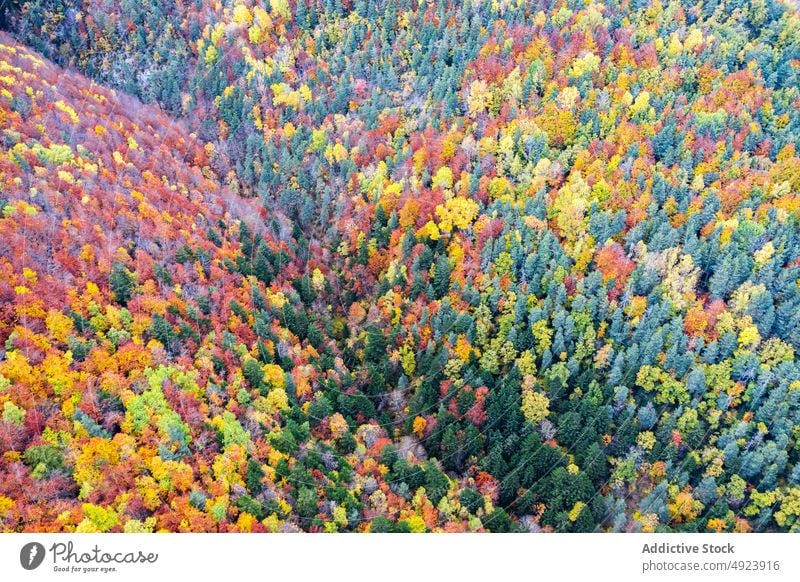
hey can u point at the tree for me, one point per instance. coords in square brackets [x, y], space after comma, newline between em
[471, 499]
[122, 283]
[162, 331]
[254, 476]
[441, 277]
[535, 406]
[498, 521]
[436, 483]
[253, 373]
[375, 349]
[262, 265]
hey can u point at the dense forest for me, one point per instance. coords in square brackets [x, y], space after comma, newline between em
[400, 266]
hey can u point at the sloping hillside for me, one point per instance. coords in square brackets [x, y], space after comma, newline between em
[504, 266]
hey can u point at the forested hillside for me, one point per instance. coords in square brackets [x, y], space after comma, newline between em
[400, 266]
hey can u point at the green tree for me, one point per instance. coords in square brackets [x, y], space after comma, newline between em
[441, 276]
[436, 482]
[307, 503]
[253, 373]
[122, 283]
[375, 350]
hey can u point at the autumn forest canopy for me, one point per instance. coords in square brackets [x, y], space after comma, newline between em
[399, 266]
